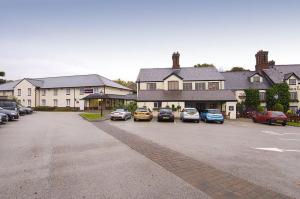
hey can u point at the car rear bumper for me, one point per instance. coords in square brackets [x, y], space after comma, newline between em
[117, 117]
[165, 118]
[142, 117]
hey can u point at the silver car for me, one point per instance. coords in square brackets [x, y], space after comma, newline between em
[190, 114]
[120, 114]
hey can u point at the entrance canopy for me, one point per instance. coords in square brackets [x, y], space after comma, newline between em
[129, 97]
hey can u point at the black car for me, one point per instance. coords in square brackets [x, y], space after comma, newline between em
[12, 115]
[9, 105]
[4, 118]
[165, 114]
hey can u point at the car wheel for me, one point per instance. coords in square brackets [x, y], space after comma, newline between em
[269, 122]
[197, 121]
[205, 120]
[222, 122]
[254, 120]
[283, 124]
[134, 119]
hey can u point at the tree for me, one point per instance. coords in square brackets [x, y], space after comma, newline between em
[237, 68]
[252, 99]
[278, 93]
[128, 84]
[2, 74]
[203, 65]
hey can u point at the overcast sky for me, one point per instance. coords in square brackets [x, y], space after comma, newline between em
[40, 38]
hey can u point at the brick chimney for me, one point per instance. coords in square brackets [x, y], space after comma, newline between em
[262, 61]
[175, 58]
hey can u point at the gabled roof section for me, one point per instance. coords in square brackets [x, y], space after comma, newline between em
[240, 81]
[186, 73]
[254, 73]
[277, 73]
[175, 73]
[9, 86]
[67, 82]
[287, 76]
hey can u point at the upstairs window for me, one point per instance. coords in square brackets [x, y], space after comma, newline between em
[29, 91]
[292, 81]
[19, 92]
[256, 79]
[43, 92]
[55, 92]
[200, 86]
[262, 96]
[187, 86]
[212, 86]
[294, 95]
[173, 85]
[151, 86]
[81, 90]
[68, 91]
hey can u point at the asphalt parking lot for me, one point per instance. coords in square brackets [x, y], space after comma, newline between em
[268, 156]
[60, 155]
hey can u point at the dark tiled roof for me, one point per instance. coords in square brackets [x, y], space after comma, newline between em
[67, 82]
[110, 96]
[241, 80]
[277, 73]
[162, 95]
[186, 73]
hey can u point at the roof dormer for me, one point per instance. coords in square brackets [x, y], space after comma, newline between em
[255, 78]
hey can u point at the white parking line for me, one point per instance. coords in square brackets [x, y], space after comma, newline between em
[275, 133]
[278, 150]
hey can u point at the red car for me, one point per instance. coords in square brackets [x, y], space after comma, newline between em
[270, 117]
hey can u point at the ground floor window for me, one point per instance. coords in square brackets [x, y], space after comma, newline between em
[43, 102]
[29, 103]
[157, 104]
[55, 102]
[213, 105]
[68, 101]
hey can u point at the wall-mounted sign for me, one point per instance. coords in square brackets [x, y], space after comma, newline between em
[88, 90]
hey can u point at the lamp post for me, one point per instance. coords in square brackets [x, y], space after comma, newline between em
[101, 109]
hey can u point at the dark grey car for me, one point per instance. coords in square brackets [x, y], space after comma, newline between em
[12, 115]
[3, 118]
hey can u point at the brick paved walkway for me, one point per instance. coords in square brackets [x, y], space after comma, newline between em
[214, 182]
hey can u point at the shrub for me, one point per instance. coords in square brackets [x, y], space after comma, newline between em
[173, 107]
[48, 108]
[252, 99]
[260, 109]
[131, 107]
[278, 107]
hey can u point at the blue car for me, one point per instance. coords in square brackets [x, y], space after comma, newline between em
[212, 115]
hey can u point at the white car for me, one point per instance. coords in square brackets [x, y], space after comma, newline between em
[190, 114]
[120, 114]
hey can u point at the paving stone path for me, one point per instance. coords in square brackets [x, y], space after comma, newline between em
[214, 182]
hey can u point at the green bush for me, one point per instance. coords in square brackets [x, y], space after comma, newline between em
[290, 112]
[278, 107]
[49, 108]
[131, 107]
[260, 109]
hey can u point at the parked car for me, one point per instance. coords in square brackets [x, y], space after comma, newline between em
[143, 114]
[270, 117]
[190, 114]
[212, 115]
[165, 114]
[3, 118]
[12, 115]
[120, 114]
[9, 105]
[24, 110]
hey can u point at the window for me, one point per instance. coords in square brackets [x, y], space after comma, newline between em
[55, 92]
[29, 91]
[43, 92]
[68, 102]
[256, 79]
[262, 96]
[292, 81]
[81, 90]
[294, 95]
[173, 85]
[231, 108]
[68, 91]
[4, 93]
[213, 86]
[43, 102]
[19, 92]
[187, 86]
[29, 103]
[55, 102]
[96, 90]
[151, 86]
[213, 106]
[157, 104]
[199, 86]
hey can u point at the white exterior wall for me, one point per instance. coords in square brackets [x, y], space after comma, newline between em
[24, 97]
[232, 112]
[116, 91]
[295, 88]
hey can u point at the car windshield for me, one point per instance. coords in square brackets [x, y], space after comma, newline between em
[120, 110]
[141, 110]
[277, 113]
[165, 111]
[214, 111]
[191, 110]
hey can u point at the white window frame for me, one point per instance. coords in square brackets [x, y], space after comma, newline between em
[68, 91]
[29, 102]
[55, 102]
[44, 103]
[19, 92]
[68, 103]
[292, 82]
[44, 92]
[190, 86]
[173, 85]
[29, 91]
[151, 86]
[198, 87]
